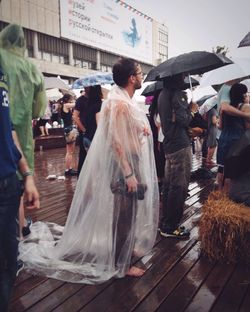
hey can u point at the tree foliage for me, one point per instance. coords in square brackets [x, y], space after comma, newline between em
[221, 49]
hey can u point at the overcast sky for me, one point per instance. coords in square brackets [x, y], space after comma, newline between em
[200, 24]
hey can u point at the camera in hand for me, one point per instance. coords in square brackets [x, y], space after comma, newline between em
[120, 187]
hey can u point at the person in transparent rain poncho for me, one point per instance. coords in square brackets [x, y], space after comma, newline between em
[113, 217]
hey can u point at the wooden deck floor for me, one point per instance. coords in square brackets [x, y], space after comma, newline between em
[177, 278]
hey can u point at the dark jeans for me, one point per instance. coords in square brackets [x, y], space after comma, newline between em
[125, 209]
[86, 142]
[82, 153]
[9, 203]
[175, 189]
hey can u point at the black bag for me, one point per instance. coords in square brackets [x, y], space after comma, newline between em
[120, 187]
[68, 129]
[202, 173]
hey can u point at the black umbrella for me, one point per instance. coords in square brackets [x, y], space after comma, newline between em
[196, 62]
[245, 42]
[152, 88]
[158, 85]
[237, 160]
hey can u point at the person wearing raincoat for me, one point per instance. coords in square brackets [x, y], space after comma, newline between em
[113, 218]
[26, 88]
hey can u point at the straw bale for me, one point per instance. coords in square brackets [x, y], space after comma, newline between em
[225, 229]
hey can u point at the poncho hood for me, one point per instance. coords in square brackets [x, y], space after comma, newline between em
[12, 39]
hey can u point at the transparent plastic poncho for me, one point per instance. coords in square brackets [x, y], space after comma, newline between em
[105, 227]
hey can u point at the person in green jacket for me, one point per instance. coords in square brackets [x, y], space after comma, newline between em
[26, 90]
[26, 87]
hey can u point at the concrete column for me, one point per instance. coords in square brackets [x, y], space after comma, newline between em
[71, 58]
[35, 46]
[98, 60]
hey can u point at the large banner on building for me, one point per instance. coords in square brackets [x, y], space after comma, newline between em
[109, 25]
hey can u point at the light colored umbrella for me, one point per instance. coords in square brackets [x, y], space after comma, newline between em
[247, 83]
[208, 104]
[55, 94]
[199, 92]
[239, 69]
[98, 78]
[55, 83]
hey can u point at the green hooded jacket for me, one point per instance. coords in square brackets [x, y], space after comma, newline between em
[26, 87]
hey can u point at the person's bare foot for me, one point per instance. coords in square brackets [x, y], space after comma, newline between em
[136, 272]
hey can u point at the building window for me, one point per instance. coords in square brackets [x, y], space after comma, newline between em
[66, 60]
[109, 69]
[46, 56]
[78, 63]
[39, 55]
[61, 59]
[92, 65]
[163, 49]
[55, 58]
[163, 37]
[85, 53]
[85, 65]
[30, 52]
[106, 68]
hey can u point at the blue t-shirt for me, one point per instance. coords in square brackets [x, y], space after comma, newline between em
[223, 95]
[9, 154]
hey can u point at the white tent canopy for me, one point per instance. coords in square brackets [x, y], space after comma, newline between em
[55, 83]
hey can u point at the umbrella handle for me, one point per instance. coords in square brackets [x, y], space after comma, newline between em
[191, 87]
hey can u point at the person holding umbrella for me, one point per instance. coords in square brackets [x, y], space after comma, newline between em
[175, 118]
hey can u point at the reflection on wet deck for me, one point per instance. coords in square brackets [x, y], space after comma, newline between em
[177, 277]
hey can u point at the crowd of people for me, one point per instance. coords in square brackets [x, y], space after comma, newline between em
[78, 118]
[114, 215]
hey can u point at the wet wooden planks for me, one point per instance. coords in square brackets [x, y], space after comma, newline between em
[178, 278]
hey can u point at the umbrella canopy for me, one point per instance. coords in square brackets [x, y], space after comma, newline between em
[204, 98]
[55, 94]
[158, 85]
[196, 62]
[55, 83]
[98, 78]
[152, 88]
[208, 104]
[239, 69]
[245, 42]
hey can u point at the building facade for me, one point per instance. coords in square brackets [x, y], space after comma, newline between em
[72, 38]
